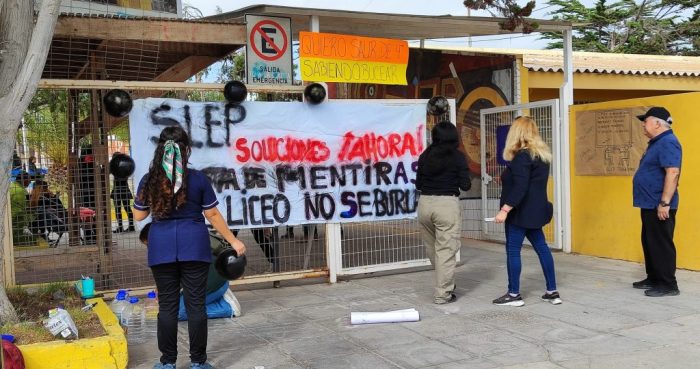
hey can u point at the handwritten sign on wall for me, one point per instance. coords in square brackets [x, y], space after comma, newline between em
[327, 57]
[609, 142]
[274, 163]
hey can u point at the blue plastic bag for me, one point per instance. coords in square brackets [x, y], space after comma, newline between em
[219, 304]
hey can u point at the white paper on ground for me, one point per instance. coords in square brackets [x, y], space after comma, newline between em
[396, 316]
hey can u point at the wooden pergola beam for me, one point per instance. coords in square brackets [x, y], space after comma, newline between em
[151, 30]
[78, 84]
[186, 68]
[178, 72]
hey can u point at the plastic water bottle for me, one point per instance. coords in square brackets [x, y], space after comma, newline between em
[151, 311]
[134, 319]
[118, 304]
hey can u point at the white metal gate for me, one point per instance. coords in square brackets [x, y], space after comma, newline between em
[546, 114]
[380, 246]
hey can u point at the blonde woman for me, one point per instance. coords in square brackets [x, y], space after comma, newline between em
[525, 208]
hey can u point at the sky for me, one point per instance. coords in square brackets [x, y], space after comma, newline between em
[435, 7]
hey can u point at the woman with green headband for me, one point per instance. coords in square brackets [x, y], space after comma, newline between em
[178, 199]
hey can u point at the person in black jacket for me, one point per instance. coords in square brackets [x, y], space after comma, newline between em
[525, 208]
[121, 197]
[442, 172]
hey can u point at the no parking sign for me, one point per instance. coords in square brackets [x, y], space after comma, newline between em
[269, 50]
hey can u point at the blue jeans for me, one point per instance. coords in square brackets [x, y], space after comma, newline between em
[515, 236]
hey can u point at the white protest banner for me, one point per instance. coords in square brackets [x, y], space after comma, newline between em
[274, 163]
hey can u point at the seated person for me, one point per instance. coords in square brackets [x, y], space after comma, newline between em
[49, 213]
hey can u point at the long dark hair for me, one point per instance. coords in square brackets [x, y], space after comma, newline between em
[41, 189]
[158, 190]
[439, 154]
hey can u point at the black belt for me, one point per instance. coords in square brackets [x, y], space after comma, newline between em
[438, 194]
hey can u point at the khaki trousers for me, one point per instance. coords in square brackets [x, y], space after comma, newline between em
[440, 222]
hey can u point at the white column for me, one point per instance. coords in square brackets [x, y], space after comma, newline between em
[314, 24]
[566, 98]
[333, 237]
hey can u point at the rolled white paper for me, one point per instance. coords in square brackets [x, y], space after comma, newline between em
[396, 316]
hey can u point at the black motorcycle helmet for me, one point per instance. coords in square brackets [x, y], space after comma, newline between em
[229, 265]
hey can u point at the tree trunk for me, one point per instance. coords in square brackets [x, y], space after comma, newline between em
[16, 21]
[23, 59]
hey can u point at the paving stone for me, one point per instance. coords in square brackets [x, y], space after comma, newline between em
[425, 354]
[603, 322]
[361, 360]
[307, 350]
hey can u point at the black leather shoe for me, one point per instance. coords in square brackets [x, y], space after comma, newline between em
[644, 284]
[661, 292]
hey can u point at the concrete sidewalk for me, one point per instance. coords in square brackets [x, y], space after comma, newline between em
[603, 322]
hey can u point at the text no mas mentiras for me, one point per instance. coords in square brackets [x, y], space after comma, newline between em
[343, 192]
[312, 177]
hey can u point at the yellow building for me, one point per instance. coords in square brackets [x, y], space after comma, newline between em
[604, 223]
[598, 76]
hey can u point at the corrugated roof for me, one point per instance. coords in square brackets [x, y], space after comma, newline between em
[607, 63]
[397, 26]
[161, 19]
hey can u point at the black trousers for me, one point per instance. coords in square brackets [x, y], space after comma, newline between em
[266, 244]
[123, 202]
[192, 276]
[659, 249]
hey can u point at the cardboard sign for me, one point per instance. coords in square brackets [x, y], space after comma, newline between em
[327, 57]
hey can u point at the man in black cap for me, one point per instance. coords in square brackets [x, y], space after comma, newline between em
[655, 192]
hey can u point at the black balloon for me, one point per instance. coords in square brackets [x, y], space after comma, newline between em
[117, 103]
[438, 105]
[121, 165]
[235, 92]
[229, 265]
[315, 93]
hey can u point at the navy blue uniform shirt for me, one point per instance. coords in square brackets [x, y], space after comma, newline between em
[182, 236]
[664, 151]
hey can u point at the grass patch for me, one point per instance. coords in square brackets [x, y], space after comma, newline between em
[33, 305]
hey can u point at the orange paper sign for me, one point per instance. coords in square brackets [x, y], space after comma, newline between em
[343, 58]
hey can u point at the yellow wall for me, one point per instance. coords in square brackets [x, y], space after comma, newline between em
[136, 4]
[604, 223]
[595, 87]
[582, 96]
[622, 82]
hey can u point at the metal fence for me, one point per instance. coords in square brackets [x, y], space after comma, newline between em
[494, 127]
[66, 222]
